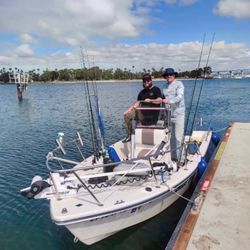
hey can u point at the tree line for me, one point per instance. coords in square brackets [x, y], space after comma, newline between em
[96, 73]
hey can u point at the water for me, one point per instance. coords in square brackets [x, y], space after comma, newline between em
[28, 130]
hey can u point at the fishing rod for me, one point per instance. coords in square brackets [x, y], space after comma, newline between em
[194, 88]
[197, 103]
[89, 109]
[202, 83]
[98, 139]
[101, 128]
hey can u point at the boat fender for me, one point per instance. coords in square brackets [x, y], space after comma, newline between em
[201, 166]
[215, 138]
[113, 154]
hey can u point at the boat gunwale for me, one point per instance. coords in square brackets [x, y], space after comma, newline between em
[149, 200]
[108, 213]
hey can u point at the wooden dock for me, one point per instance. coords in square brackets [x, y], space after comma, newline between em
[220, 217]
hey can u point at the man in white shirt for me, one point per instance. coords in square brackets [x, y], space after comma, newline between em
[174, 95]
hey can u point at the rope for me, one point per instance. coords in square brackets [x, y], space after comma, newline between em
[222, 129]
[181, 196]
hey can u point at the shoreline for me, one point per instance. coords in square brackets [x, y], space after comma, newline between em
[105, 81]
[116, 81]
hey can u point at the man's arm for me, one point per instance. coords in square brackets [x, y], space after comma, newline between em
[158, 100]
[133, 106]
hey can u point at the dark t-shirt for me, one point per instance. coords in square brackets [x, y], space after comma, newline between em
[152, 93]
[149, 117]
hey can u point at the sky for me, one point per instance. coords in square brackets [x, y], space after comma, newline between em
[131, 34]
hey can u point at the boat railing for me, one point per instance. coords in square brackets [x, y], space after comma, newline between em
[51, 157]
[132, 163]
[58, 160]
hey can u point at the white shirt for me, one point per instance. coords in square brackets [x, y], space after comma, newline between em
[175, 94]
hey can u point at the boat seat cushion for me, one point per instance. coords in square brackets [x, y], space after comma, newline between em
[148, 136]
[146, 139]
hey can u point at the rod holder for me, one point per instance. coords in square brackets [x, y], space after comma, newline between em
[60, 146]
[79, 137]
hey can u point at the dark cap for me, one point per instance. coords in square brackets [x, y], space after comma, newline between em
[146, 77]
[169, 71]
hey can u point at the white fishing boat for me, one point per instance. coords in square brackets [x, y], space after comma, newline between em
[122, 185]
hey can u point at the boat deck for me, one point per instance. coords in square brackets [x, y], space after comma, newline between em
[222, 221]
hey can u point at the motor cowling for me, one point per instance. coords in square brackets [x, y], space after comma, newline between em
[37, 185]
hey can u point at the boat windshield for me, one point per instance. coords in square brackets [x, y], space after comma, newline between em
[152, 117]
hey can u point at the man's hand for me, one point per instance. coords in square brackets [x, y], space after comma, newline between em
[166, 101]
[147, 100]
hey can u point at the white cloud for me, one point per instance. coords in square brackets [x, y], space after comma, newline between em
[182, 2]
[184, 56]
[24, 50]
[238, 9]
[51, 23]
[26, 38]
[5, 60]
[60, 20]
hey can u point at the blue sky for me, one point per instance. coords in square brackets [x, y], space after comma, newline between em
[117, 33]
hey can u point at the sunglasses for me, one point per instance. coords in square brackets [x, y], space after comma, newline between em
[169, 74]
[146, 80]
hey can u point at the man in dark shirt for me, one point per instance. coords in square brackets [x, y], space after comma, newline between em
[150, 96]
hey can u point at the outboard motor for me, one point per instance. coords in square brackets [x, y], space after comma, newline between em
[37, 185]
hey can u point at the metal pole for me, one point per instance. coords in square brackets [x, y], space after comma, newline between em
[86, 187]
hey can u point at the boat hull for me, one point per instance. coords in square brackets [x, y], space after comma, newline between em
[95, 229]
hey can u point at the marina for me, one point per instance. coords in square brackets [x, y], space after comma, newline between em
[30, 125]
[124, 125]
[127, 182]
